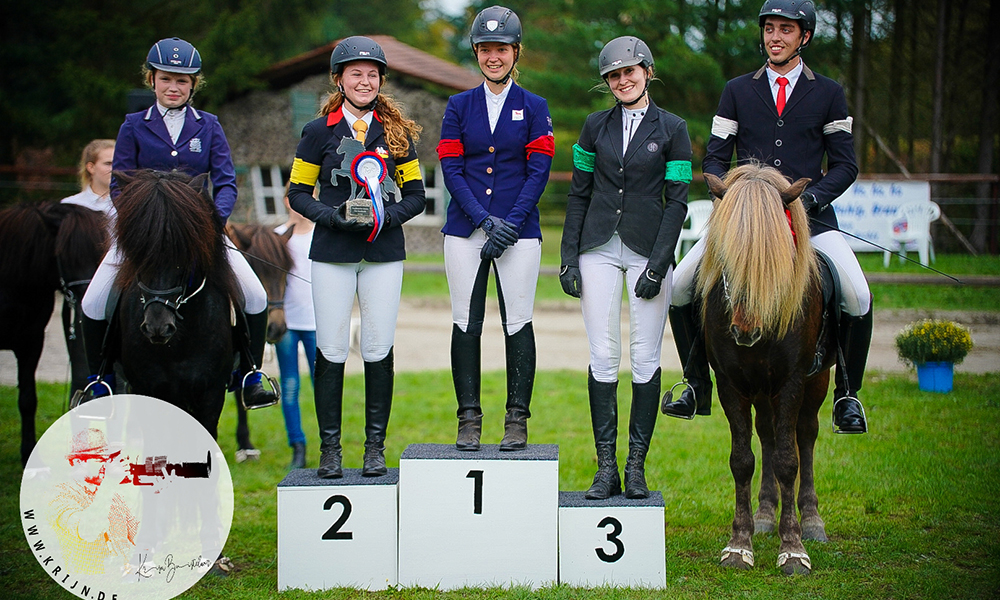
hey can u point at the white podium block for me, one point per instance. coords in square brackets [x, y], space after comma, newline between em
[485, 518]
[337, 532]
[615, 542]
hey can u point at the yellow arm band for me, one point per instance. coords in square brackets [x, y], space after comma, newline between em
[303, 172]
[408, 171]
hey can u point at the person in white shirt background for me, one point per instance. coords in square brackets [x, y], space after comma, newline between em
[95, 178]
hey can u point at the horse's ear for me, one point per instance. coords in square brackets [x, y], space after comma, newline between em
[288, 233]
[199, 182]
[122, 178]
[715, 185]
[794, 191]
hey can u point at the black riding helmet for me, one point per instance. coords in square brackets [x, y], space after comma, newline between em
[497, 24]
[625, 51]
[174, 55]
[802, 11]
[357, 47]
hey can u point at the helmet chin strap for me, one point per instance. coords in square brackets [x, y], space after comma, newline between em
[798, 51]
[364, 107]
[637, 100]
[503, 80]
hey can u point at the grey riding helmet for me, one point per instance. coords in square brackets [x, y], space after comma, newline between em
[174, 55]
[357, 47]
[496, 24]
[802, 11]
[624, 51]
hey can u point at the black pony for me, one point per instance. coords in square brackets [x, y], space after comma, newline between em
[764, 329]
[45, 248]
[176, 307]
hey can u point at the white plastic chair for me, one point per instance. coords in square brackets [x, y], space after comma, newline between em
[698, 213]
[912, 224]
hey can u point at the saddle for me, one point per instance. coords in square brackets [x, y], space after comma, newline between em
[831, 294]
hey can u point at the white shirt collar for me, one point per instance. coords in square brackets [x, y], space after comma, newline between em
[494, 103]
[792, 77]
[351, 119]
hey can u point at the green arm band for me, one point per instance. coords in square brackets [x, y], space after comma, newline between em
[679, 170]
[584, 160]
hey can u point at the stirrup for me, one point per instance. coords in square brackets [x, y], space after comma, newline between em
[833, 416]
[79, 395]
[275, 388]
[668, 398]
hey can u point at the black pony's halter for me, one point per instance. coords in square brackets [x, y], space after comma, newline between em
[173, 298]
[66, 287]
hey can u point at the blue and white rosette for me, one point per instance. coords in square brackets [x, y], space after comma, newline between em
[368, 169]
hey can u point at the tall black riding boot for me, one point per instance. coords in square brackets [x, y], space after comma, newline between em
[378, 403]
[855, 340]
[465, 372]
[328, 388]
[645, 398]
[604, 420]
[696, 399]
[520, 351]
[253, 395]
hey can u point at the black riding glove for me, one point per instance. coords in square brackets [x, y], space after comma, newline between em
[571, 280]
[338, 220]
[492, 250]
[499, 230]
[810, 203]
[648, 285]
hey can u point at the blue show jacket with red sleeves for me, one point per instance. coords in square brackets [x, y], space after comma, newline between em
[814, 122]
[500, 173]
[144, 143]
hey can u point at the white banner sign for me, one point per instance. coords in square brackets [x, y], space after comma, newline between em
[868, 209]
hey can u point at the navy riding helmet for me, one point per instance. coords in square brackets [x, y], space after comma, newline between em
[174, 55]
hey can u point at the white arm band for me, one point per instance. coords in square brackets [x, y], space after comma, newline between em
[835, 126]
[723, 127]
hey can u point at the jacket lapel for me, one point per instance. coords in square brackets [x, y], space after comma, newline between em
[613, 127]
[479, 98]
[154, 123]
[762, 87]
[193, 122]
[805, 85]
[376, 131]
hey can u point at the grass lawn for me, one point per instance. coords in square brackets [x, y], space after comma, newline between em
[911, 508]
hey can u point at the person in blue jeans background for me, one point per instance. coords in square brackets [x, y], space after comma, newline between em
[301, 321]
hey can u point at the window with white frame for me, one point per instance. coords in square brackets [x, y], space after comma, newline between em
[268, 182]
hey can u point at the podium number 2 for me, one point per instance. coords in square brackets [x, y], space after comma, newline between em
[616, 529]
[477, 498]
[334, 532]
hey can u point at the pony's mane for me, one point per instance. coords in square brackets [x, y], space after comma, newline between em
[267, 252]
[749, 242]
[82, 239]
[27, 244]
[167, 221]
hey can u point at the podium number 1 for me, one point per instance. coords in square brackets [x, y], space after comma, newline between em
[477, 498]
[334, 532]
[616, 529]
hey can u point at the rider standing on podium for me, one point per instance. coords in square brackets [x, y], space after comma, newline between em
[352, 256]
[496, 150]
[786, 116]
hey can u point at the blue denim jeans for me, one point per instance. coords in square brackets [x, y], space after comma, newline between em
[287, 351]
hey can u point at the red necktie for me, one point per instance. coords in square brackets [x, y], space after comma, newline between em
[782, 82]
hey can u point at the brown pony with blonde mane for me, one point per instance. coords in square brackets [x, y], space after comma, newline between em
[763, 322]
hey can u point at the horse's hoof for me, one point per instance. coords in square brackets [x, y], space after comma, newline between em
[794, 563]
[763, 526]
[247, 454]
[737, 558]
[814, 529]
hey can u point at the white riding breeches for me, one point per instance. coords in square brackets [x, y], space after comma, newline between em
[855, 297]
[95, 301]
[377, 287]
[605, 271]
[516, 276]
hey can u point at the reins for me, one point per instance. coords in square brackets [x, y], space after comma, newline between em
[163, 296]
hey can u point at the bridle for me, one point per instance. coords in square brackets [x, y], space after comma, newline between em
[172, 298]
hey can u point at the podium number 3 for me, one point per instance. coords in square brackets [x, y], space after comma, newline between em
[477, 498]
[334, 532]
[616, 529]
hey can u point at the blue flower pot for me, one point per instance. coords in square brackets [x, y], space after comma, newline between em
[935, 376]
